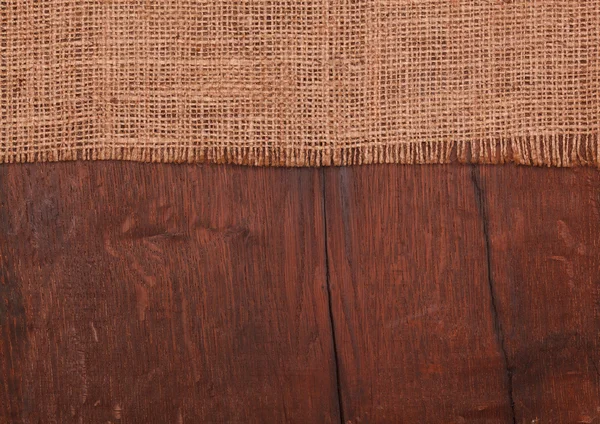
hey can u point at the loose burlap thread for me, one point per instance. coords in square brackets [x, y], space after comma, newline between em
[301, 82]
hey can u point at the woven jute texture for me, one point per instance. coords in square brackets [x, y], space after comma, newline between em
[301, 82]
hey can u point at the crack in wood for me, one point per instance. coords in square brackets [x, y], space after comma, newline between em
[329, 301]
[482, 208]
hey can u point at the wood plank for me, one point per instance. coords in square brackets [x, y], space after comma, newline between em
[544, 232]
[163, 294]
[413, 313]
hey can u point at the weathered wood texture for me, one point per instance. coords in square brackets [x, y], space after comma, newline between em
[135, 293]
[466, 294]
[544, 238]
[414, 319]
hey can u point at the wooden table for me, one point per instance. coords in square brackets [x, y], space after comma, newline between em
[137, 293]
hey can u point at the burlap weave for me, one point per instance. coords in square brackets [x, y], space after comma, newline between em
[301, 82]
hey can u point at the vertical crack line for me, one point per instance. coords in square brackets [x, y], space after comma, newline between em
[482, 207]
[330, 301]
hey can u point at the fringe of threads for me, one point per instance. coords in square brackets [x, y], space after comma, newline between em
[544, 150]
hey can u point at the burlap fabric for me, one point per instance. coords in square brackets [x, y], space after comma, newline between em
[301, 82]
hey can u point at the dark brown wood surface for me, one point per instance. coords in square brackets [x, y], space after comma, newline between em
[164, 294]
[544, 252]
[414, 319]
[134, 293]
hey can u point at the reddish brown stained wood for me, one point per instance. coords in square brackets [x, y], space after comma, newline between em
[544, 238]
[412, 308]
[158, 293]
[163, 294]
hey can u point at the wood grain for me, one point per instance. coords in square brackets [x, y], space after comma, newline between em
[544, 238]
[139, 293]
[414, 318]
[134, 293]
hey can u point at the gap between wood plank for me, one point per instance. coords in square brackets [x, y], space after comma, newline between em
[482, 207]
[329, 301]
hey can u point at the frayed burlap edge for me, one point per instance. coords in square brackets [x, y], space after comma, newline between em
[545, 150]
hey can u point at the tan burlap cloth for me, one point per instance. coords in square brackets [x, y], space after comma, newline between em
[301, 82]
